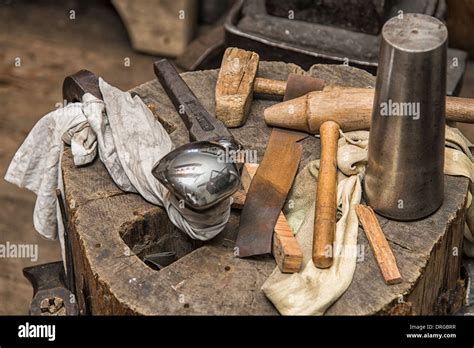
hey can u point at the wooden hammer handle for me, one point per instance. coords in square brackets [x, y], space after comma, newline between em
[326, 197]
[267, 86]
[460, 109]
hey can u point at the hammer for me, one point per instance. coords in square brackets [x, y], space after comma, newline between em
[292, 112]
[237, 82]
[326, 112]
[351, 107]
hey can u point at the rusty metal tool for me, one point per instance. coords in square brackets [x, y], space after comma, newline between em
[80, 83]
[53, 288]
[201, 125]
[285, 249]
[50, 293]
[270, 186]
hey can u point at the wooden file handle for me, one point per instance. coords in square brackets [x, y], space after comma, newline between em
[460, 109]
[326, 197]
[267, 86]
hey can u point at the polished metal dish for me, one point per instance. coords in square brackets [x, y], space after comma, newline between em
[198, 175]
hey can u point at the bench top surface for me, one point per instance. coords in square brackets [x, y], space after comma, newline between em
[210, 279]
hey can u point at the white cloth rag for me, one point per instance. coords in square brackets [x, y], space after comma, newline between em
[129, 141]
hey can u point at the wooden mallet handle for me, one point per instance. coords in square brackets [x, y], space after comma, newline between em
[267, 86]
[326, 197]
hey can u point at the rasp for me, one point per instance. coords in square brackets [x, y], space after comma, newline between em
[201, 125]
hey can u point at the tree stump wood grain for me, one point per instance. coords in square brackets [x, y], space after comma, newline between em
[111, 231]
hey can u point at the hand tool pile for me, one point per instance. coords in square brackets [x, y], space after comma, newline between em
[405, 158]
[404, 177]
[395, 186]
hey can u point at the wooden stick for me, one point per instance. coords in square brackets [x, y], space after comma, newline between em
[285, 248]
[326, 197]
[380, 247]
[267, 86]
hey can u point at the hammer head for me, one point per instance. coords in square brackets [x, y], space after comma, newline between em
[299, 85]
[237, 81]
[80, 83]
[234, 87]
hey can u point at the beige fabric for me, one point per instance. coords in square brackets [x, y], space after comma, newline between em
[313, 290]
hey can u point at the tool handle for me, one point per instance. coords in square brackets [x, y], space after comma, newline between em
[267, 86]
[460, 109]
[200, 124]
[326, 197]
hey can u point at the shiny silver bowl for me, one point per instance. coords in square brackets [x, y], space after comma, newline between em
[197, 174]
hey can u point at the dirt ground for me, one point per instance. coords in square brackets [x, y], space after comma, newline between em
[50, 46]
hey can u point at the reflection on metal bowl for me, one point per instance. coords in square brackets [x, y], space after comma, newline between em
[196, 174]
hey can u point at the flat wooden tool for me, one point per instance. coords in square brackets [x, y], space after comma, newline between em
[380, 247]
[285, 248]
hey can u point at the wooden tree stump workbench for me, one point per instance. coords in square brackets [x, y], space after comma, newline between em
[111, 230]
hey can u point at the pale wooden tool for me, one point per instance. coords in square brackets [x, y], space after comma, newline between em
[380, 247]
[285, 248]
[326, 197]
[350, 107]
[237, 81]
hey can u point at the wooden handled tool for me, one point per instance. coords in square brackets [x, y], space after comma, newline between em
[268, 190]
[350, 107]
[285, 248]
[326, 197]
[237, 81]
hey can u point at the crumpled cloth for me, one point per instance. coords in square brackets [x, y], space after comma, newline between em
[129, 141]
[312, 291]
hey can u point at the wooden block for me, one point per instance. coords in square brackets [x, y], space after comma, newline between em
[248, 173]
[239, 199]
[234, 87]
[285, 248]
[162, 27]
[380, 247]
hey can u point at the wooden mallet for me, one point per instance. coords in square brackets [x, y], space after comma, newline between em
[237, 81]
[326, 112]
[350, 107]
[326, 195]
